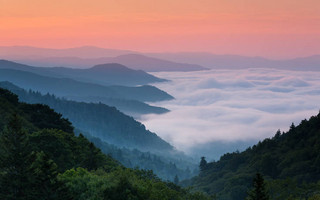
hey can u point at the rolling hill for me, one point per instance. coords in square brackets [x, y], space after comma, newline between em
[105, 74]
[127, 99]
[69, 87]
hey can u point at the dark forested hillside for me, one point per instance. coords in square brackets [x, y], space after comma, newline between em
[100, 120]
[46, 130]
[290, 162]
[41, 158]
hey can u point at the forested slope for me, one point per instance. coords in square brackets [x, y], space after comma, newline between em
[41, 158]
[290, 162]
[102, 121]
[163, 160]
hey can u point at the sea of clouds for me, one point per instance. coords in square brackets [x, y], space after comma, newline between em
[218, 111]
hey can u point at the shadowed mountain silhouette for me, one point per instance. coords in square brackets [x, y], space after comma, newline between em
[106, 74]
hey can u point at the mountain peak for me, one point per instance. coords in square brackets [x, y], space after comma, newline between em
[110, 66]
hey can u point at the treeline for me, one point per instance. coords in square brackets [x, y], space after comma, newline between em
[39, 162]
[290, 163]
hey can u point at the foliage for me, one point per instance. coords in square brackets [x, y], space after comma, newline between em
[67, 150]
[44, 183]
[33, 117]
[122, 184]
[14, 161]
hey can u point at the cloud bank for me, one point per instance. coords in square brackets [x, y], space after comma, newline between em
[233, 106]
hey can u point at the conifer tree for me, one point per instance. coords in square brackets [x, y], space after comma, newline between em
[258, 192]
[91, 161]
[203, 163]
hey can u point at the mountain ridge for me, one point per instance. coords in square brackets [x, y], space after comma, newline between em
[203, 59]
[131, 99]
[66, 86]
[87, 56]
[229, 61]
[108, 74]
[289, 161]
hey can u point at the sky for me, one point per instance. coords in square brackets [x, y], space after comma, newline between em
[276, 29]
[221, 111]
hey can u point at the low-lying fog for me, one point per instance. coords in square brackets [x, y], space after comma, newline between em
[219, 111]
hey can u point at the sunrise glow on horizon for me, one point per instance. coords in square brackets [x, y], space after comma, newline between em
[273, 29]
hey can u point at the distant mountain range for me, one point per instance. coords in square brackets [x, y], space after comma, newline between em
[129, 100]
[106, 74]
[66, 87]
[87, 56]
[212, 61]
[134, 61]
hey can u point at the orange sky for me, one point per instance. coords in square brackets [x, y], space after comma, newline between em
[271, 28]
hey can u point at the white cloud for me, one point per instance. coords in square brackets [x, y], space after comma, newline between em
[291, 81]
[233, 105]
[213, 83]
